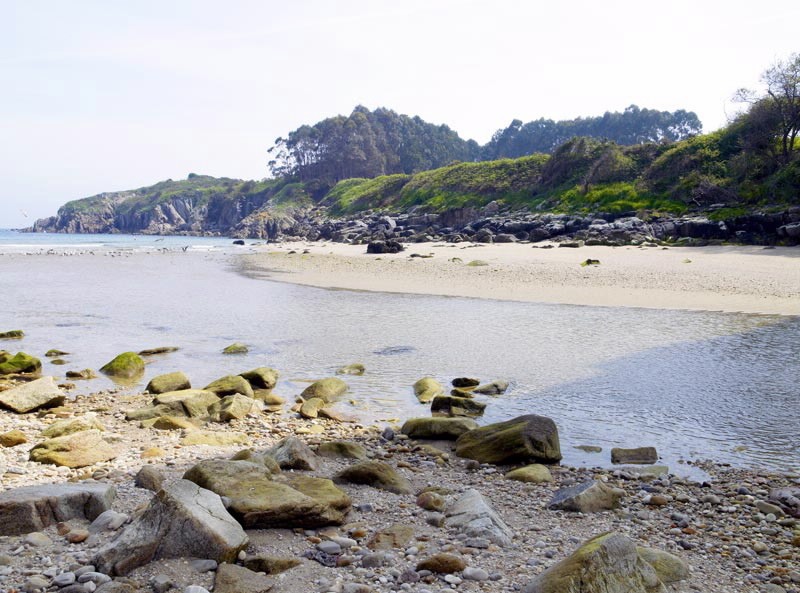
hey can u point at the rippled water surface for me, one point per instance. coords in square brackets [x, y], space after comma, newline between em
[695, 385]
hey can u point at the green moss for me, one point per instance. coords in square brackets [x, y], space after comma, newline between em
[127, 365]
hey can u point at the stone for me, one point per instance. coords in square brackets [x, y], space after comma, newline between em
[193, 403]
[431, 501]
[260, 500]
[14, 334]
[456, 406]
[589, 448]
[496, 387]
[589, 497]
[12, 438]
[109, 520]
[20, 363]
[376, 474]
[37, 539]
[472, 516]
[426, 389]
[149, 478]
[608, 563]
[268, 398]
[788, 499]
[229, 385]
[127, 365]
[215, 438]
[236, 348]
[351, 369]
[442, 563]
[328, 390]
[83, 375]
[158, 350]
[182, 520]
[76, 536]
[64, 579]
[261, 378]
[437, 428]
[36, 395]
[168, 382]
[475, 574]
[534, 473]
[55, 353]
[343, 450]
[33, 508]
[161, 583]
[61, 428]
[394, 536]
[762, 505]
[292, 453]
[233, 407]
[231, 578]
[78, 449]
[260, 458]
[669, 568]
[640, 455]
[465, 382]
[311, 407]
[170, 423]
[270, 564]
[523, 439]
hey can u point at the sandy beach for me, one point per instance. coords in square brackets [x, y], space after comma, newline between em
[746, 279]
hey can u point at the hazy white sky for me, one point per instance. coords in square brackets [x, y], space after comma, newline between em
[108, 95]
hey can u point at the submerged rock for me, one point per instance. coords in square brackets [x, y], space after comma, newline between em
[427, 388]
[127, 365]
[525, 438]
[29, 397]
[496, 387]
[351, 369]
[236, 348]
[85, 375]
[639, 455]
[20, 363]
[14, 334]
[158, 350]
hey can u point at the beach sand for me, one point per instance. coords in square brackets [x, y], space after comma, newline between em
[746, 279]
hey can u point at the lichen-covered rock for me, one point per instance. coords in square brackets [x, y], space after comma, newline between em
[669, 568]
[12, 438]
[84, 375]
[158, 350]
[351, 369]
[328, 390]
[233, 407]
[261, 378]
[427, 388]
[236, 348]
[127, 365]
[525, 438]
[342, 449]
[589, 497]
[437, 428]
[442, 563]
[61, 428]
[229, 385]
[29, 397]
[193, 403]
[535, 473]
[292, 453]
[14, 334]
[311, 407]
[496, 387]
[215, 438]
[78, 449]
[168, 382]
[376, 474]
[20, 363]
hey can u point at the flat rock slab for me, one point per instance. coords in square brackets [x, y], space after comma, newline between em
[473, 516]
[231, 578]
[32, 508]
[29, 397]
[182, 520]
[79, 449]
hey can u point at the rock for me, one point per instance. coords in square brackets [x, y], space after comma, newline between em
[427, 388]
[84, 375]
[261, 378]
[260, 501]
[465, 382]
[261, 458]
[229, 385]
[525, 438]
[328, 390]
[269, 398]
[193, 403]
[379, 247]
[182, 520]
[14, 334]
[761, 505]
[640, 455]
[352, 369]
[33, 508]
[149, 478]
[170, 423]
[236, 348]
[55, 353]
[270, 564]
[37, 539]
[788, 499]
[473, 516]
[61, 428]
[78, 449]
[442, 563]
[127, 365]
[394, 536]
[475, 574]
[589, 448]
[608, 563]
[214, 438]
[292, 453]
[589, 497]
[669, 568]
[456, 406]
[431, 501]
[76, 536]
[29, 397]
[109, 520]
[534, 473]
[158, 350]
[169, 382]
[496, 387]
[311, 407]
[437, 428]
[12, 438]
[231, 578]
[233, 407]
[376, 474]
[342, 449]
[20, 363]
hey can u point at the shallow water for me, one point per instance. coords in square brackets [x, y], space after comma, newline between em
[696, 385]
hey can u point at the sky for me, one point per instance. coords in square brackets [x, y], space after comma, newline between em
[109, 95]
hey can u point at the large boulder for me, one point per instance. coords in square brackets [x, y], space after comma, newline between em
[292, 453]
[229, 385]
[169, 382]
[78, 449]
[328, 390]
[376, 474]
[261, 378]
[260, 500]
[193, 403]
[452, 406]
[589, 497]
[127, 365]
[427, 388]
[473, 516]
[529, 438]
[437, 428]
[182, 520]
[29, 397]
[33, 508]
[20, 363]
[608, 563]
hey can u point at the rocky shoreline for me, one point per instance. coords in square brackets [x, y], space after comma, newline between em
[399, 496]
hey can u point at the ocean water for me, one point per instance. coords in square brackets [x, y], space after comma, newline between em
[696, 385]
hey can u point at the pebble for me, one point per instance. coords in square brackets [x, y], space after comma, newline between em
[37, 539]
[475, 574]
[64, 579]
[195, 589]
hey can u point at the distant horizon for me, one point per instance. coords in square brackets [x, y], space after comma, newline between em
[101, 97]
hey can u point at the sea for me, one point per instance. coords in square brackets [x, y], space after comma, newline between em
[698, 386]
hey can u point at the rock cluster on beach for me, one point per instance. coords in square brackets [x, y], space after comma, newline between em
[230, 488]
